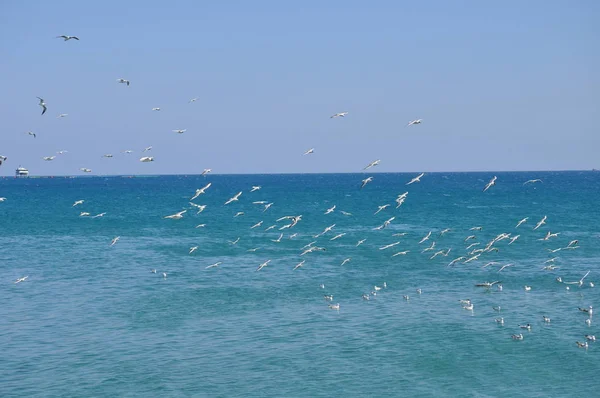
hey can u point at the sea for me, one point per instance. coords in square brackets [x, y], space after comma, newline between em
[94, 320]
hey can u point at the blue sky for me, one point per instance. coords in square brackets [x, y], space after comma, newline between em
[507, 85]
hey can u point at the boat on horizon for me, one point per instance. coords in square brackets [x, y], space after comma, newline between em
[21, 172]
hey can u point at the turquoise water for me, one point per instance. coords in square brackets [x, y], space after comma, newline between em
[92, 320]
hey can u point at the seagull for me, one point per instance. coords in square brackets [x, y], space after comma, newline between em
[179, 131]
[164, 275]
[263, 265]
[338, 236]
[470, 237]
[522, 221]
[311, 150]
[62, 115]
[205, 172]
[201, 191]
[145, 149]
[300, 264]
[416, 179]
[78, 202]
[400, 199]
[2, 159]
[513, 239]
[278, 240]
[532, 181]
[330, 210]
[385, 224]
[200, 226]
[85, 170]
[115, 240]
[345, 213]
[67, 38]
[193, 100]
[573, 242]
[341, 114]
[487, 284]
[542, 222]
[403, 253]
[234, 198]
[527, 288]
[156, 109]
[372, 164]
[589, 311]
[329, 228]
[546, 319]
[429, 248]
[255, 188]
[468, 307]
[388, 246]
[500, 321]
[267, 206]
[48, 158]
[176, 216]
[517, 336]
[238, 214]
[337, 307]
[108, 155]
[505, 266]
[23, 279]
[43, 105]
[476, 229]
[31, 133]
[550, 235]
[253, 250]
[366, 181]
[193, 249]
[346, 261]
[214, 265]
[416, 121]
[146, 159]
[444, 231]
[234, 242]
[590, 337]
[360, 242]
[99, 215]
[127, 151]
[380, 208]
[425, 238]
[199, 207]
[84, 214]
[123, 81]
[490, 184]
[582, 345]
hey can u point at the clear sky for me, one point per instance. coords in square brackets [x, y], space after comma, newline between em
[510, 85]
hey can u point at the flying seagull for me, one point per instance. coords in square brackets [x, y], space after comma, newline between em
[341, 114]
[201, 191]
[62, 115]
[490, 184]
[2, 159]
[146, 159]
[522, 221]
[42, 104]
[234, 198]
[48, 158]
[366, 181]
[156, 109]
[123, 81]
[85, 170]
[180, 131]
[416, 121]
[416, 179]
[176, 216]
[67, 38]
[311, 150]
[532, 181]
[372, 164]
[541, 222]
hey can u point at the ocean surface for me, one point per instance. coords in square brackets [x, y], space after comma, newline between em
[92, 320]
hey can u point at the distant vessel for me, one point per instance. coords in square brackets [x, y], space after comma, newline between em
[21, 172]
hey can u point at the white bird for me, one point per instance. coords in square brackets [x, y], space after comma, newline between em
[532, 181]
[201, 191]
[115, 240]
[589, 310]
[199, 207]
[490, 184]
[176, 216]
[347, 260]
[527, 288]
[517, 336]
[22, 279]
[416, 179]
[345, 213]
[78, 202]
[164, 275]
[123, 81]
[546, 319]
[372, 164]
[522, 221]
[84, 214]
[338, 236]
[278, 240]
[582, 345]
[48, 158]
[234, 242]
[156, 109]
[214, 265]
[311, 150]
[388, 246]
[238, 214]
[528, 326]
[429, 248]
[62, 115]
[108, 155]
[590, 337]
[179, 131]
[255, 188]
[337, 307]
[193, 100]
[403, 253]
[193, 249]
[2, 159]
[44, 108]
[205, 172]
[146, 159]
[380, 208]
[541, 222]
[500, 321]
[505, 266]
[127, 151]
[385, 224]
[425, 238]
[85, 170]
[149, 148]
[263, 265]
[341, 114]
[414, 122]
[366, 181]
[513, 239]
[360, 242]
[300, 264]
[330, 210]
[328, 229]
[234, 198]
[99, 215]
[200, 226]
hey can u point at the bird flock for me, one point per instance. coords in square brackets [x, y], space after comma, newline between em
[430, 245]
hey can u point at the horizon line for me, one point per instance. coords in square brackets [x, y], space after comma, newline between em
[296, 173]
